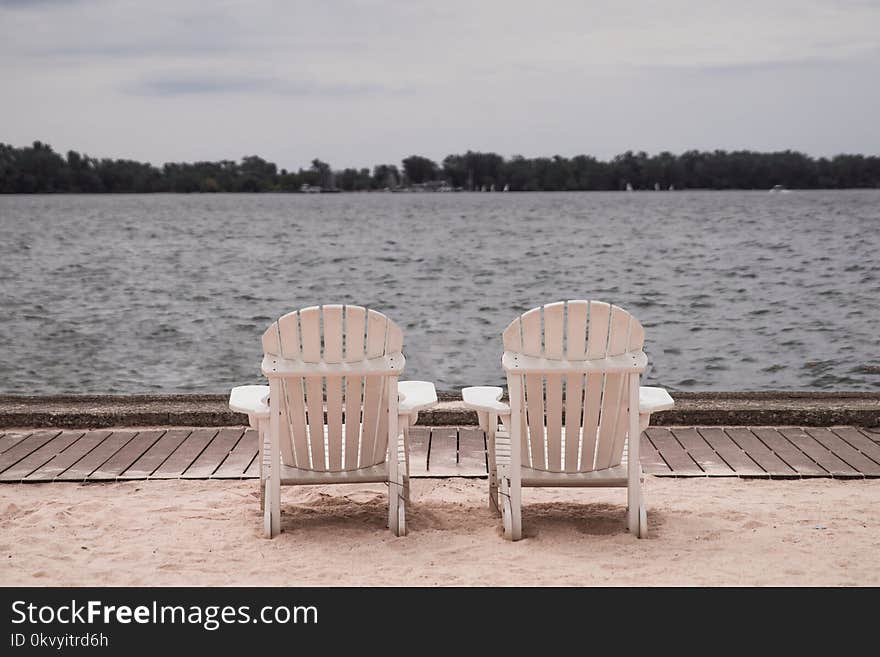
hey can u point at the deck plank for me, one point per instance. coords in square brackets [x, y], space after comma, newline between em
[816, 451]
[844, 451]
[214, 453]
[418, 451]
[472, 451]
[102, 453]
[759, 452]
[675, 456]
[785, 450]
[235, 465]
[701, 452]
[861, 440]
[441, 459]
[38, 458]
[650, 458]
[10, 440]
[185, 454]
[24, 448]
[61, 462]
[121, 460]
[155, 456]
[738, 460]
[253, 469]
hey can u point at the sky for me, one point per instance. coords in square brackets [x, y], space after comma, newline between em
[360, 82]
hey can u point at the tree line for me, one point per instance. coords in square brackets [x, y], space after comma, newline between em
[39, 169]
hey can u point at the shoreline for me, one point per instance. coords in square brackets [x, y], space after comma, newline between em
[771, 408]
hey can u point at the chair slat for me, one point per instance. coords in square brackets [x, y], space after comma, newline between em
[531, 333]
[376, 327]
[592, 407]
[334, 422]
[553, 413]
[535, 415]
[512, 336]
[597, 341]
[525, 452]
[636, 335]
[621, 432]
[554, 327]
[355, 330]
[310, 332]
[608, 427]
[315, 406]
[353, 401]
[288, 330]
[573, 404]
[285, 431]
[381, 444]
[293, 388]
[618, 335]
[332, 316]
[394, 339]
[372, 399]
[576, 330]
[333, 345]
[271, 342]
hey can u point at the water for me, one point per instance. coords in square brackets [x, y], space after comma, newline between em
[170, 293]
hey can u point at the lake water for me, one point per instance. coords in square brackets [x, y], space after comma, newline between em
[170, 293]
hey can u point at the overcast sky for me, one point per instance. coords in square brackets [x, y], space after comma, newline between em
[357, 82]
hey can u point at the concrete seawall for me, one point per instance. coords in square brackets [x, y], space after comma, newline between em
[692, 408]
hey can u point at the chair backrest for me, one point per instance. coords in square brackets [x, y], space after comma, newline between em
[338, 359]
[574, 398]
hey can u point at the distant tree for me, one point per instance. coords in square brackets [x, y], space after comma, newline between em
[420, 169]
[325, 174]
[385, 175]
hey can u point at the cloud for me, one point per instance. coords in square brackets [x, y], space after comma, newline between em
[199, 85]
[832, 60]
[34, 4]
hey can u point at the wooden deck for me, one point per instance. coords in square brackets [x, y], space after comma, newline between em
[231, 453]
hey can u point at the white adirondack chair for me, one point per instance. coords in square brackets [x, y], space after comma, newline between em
[575, 410]
[333, 411]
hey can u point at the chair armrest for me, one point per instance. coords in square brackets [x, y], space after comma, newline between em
[652, 400]
[253, 400]
[415, 396]
[485, 399]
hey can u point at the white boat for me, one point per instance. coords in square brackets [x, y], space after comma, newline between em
[779, 189]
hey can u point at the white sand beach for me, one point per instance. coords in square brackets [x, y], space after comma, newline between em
[703, 532]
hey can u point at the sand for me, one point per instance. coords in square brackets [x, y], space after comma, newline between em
[703, 532]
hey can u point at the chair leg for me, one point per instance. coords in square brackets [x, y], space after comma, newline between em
[275, 491]
[493, 494]
[406, 462]
[510, 499]
[505, 510]
[634, 507]
[516, 510]
[272, 508]
[262, 455]
[393, 508]
[491, 463]
[267, 510]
